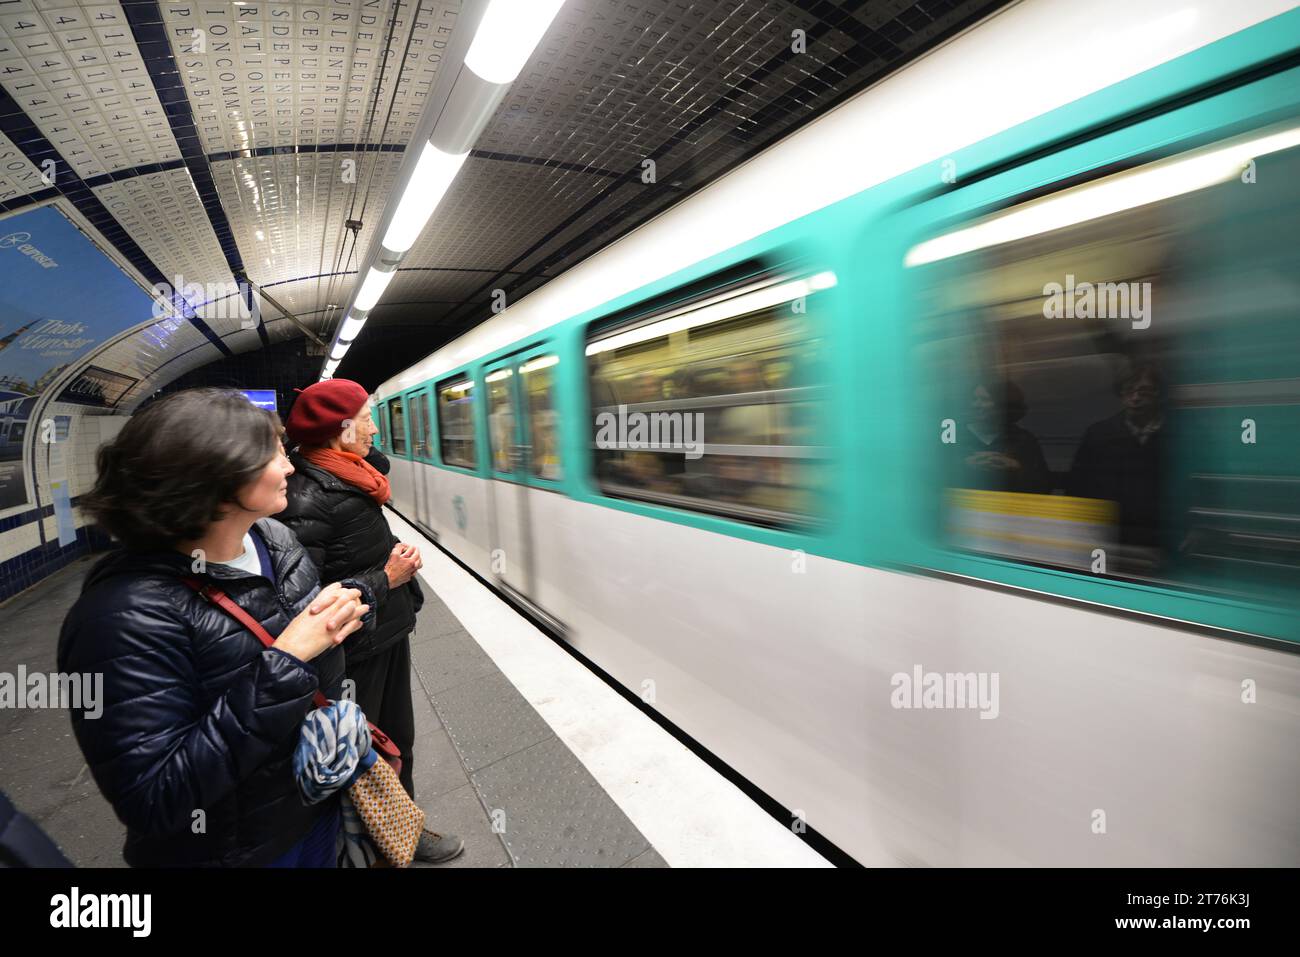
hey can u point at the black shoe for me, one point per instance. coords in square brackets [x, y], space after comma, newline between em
[438, 848]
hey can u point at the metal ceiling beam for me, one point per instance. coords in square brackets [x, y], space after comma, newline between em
[306, 330]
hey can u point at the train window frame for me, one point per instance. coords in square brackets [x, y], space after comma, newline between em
[1253, 617]
[463, 377]
[501, 370]
[712, 301]
[421, 432]
[382, 419]
[538, 359]
[396, 409]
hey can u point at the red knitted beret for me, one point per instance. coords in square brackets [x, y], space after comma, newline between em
[320, 410]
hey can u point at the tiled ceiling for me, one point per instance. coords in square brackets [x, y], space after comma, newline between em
[212, 139]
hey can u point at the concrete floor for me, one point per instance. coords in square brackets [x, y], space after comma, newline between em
[498, 752]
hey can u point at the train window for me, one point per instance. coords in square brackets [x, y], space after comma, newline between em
[456, 423]
[419, 426]
[713, 406]
[543, 428]
[1104, 365]
[501, 418]
[397, 418]
[426, 430]
[382, 419]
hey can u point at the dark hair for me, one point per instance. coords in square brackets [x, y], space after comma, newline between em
[1008, 397]
[1141, 369]
[172, 467]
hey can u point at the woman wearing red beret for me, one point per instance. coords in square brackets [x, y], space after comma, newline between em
[335, 498]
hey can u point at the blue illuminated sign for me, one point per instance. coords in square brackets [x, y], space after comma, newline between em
[262, 398]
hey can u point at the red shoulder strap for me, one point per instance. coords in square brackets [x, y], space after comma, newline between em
[219, 598]
[227, 604]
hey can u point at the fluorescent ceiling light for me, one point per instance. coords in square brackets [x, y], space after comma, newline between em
[542, 362]
[340, 350]
[373, 287]
[717, 310]
[429, 182]
[823, 280]
[351, 328]
[1105, 197]
[330, 367]
[507, 36]
[499, 375]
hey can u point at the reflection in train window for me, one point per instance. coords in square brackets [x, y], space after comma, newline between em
[501, 419]
[397, 418]
[1096, 359]
[456, 423]
[713, 406]
[539, 386]
[420, 426]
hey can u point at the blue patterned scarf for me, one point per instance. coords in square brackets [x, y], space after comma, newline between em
[333, 751]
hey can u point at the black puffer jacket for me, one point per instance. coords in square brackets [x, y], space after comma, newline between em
[344, 531]
[197, 714]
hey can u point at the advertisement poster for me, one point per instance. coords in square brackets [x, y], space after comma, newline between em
[60, 298]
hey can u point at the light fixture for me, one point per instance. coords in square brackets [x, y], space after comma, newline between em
[822, 280]
[504, 38]
[1104, 197]
[499, 375]
[742, 304]
[541, 362]
[339, 351]
[350, 328]
[429, 183]
[507, 35]
[372, 288]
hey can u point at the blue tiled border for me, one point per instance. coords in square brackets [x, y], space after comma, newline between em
[23, 571]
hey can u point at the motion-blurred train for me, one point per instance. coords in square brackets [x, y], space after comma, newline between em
[938, 470]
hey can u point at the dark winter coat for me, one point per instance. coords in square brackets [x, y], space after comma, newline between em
[1112, 464]
[198, 716]
[344, 531]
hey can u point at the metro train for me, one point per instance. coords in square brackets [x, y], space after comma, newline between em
[938, 470]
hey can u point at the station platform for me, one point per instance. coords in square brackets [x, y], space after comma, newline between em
[520, 749]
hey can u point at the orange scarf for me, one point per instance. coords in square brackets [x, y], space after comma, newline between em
[351, 468]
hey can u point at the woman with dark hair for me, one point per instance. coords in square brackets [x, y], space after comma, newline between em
[996, 453]
[194, 746]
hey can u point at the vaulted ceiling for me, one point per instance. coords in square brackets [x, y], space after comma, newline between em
[217, 140]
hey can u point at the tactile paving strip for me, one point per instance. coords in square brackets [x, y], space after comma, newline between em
[489, 720]
[551, 812]
[544, 805]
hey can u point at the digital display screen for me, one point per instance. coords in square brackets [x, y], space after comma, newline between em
[262, 398]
